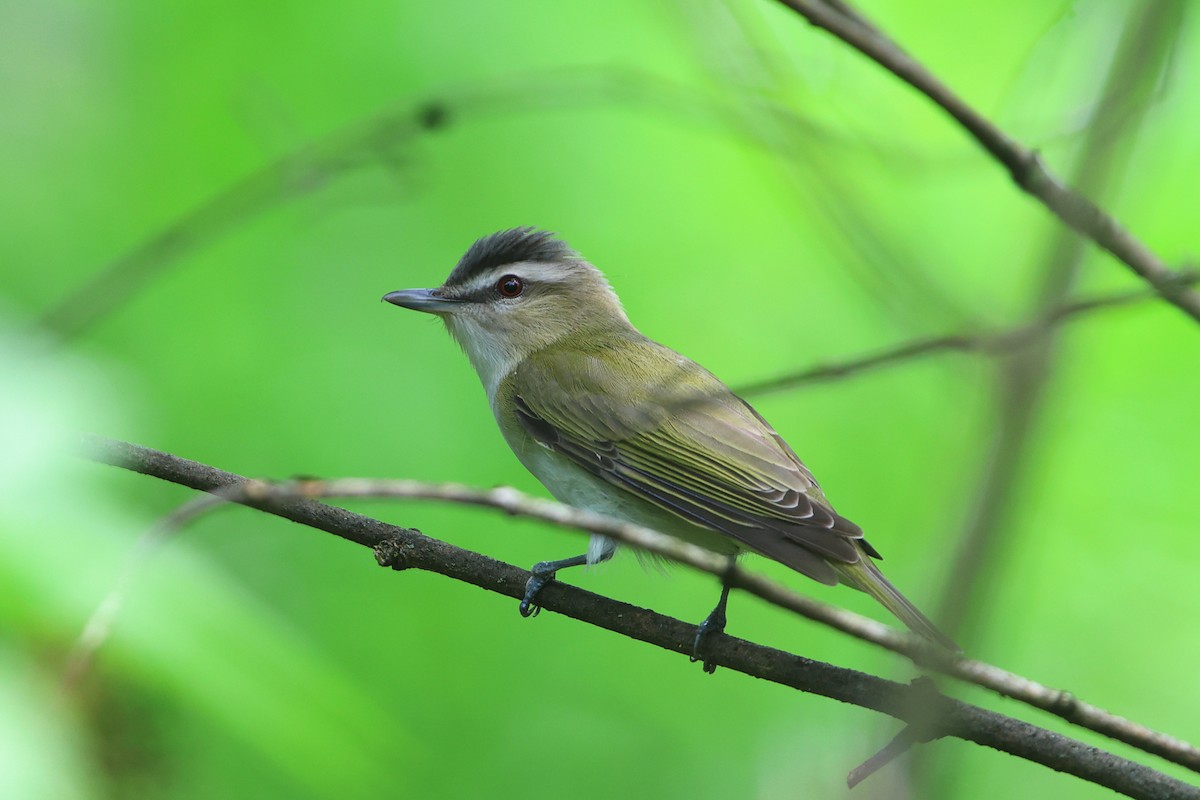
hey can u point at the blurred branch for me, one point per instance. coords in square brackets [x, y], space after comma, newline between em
[882, 264]
[1024, 378]
[1027, 170]
[381, 140]
[904, 741]
[995, 342]
[390, 139]
[292, 500]
[99, 625]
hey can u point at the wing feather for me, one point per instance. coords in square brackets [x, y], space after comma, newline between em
[684, 442]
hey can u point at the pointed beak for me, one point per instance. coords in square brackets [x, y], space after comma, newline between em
[421, 300]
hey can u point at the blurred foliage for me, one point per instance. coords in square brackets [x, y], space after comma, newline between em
[762, 198]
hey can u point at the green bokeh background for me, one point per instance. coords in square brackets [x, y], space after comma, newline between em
[762, 198]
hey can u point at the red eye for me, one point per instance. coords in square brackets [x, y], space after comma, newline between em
[510, 286]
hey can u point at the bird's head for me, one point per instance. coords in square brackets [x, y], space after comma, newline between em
[514, 293]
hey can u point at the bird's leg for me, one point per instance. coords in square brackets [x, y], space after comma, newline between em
[713, 623]
[544, 571]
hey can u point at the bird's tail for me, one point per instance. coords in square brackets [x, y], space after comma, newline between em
[865, 576]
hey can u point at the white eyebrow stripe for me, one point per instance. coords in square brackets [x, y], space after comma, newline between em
[539, 272]
[532, 271]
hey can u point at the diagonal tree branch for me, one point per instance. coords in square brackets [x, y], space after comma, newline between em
[1025, 377]
[1027, 170]
[402, 548]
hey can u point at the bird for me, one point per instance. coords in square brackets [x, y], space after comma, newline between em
[610, 421]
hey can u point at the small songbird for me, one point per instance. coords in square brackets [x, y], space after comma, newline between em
[615, 423]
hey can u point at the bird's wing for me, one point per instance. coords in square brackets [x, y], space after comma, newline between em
[680, 439]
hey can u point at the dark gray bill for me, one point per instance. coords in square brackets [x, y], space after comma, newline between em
[420, 300]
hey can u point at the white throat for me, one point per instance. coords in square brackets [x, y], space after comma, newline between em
[492, 360]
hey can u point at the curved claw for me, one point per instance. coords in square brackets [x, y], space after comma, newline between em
[533, 586]
[698, 645]
[714, 623]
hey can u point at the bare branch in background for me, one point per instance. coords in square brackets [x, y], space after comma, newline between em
[995, 342]
[900, 745]
[1023, 379]
[99, 625]
[227, 488]
[390, 140]
[1073, 208]
[898, 280]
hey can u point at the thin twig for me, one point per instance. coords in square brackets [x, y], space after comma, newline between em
[902, 743]
[1026, 168]
[272, 496]
[997, 342]
[99, 625]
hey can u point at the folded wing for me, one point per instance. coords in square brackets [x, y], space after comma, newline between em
[681, 440]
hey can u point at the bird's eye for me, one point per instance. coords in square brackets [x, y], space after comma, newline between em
[510, 286]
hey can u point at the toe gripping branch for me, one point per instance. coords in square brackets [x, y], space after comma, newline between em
[714, 623]
[541, 574]
[544, 572]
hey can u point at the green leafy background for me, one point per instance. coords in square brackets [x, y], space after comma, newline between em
[762, 198]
